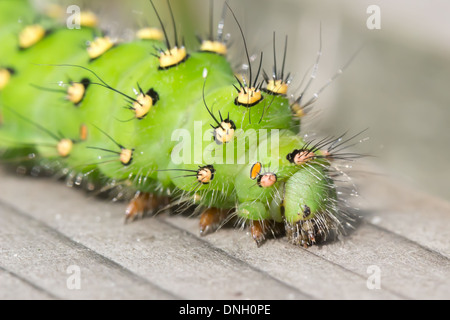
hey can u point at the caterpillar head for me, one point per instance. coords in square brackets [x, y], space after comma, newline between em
[308, 193]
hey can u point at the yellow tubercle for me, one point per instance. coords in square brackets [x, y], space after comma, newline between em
[214, 46]
[249, 96]
[5, 76]
[277, 86]
[64, 147]
[142, 106]
[126, 156]
[172, 57]
[298, 110]
[55, 11]
[225, 132]
[31, 35]
[150, 34]
[75, 93]
[88, 19]
[204, 175]
[99, 46]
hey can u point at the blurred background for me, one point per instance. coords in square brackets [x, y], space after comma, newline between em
[397, 86]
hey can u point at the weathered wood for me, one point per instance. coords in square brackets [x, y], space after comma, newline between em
[13, 286]
[165, 256]
[315, 275]
[42, 256]
[51, 227]
[396, 207]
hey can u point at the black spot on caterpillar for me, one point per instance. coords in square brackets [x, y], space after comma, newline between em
[158, 143]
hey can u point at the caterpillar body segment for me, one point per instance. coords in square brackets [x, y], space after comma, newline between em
[162, 122]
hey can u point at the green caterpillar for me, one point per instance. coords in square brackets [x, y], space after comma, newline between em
[192, 132]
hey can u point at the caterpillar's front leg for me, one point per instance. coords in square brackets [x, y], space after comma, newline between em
[144, 203]
[263, 229]
[260, 220]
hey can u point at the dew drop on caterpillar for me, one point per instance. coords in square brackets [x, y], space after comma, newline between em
[176, 127]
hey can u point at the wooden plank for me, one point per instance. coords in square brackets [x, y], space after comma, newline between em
[174, 260]
[42, 257]
[341, 269]
[412, 257]
[318, 277]
[406, 267]
[14, 287]
[167, 252]
[396, 207]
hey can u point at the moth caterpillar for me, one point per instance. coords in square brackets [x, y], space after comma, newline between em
[174, 127]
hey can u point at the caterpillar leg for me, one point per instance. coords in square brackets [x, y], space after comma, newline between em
[144, 203]
[211, 219]
[263, 229]
[261, 221]
[258, 230]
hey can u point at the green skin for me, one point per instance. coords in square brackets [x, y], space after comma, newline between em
[180, 105]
